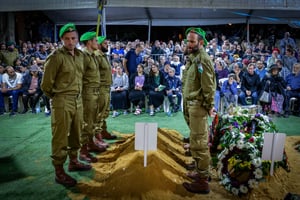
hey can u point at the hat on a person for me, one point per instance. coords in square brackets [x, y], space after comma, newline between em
[87, 36]
[9, 43]
[276, 49]
[34, 68]
[101, 39]
[167, 63]
[274, 66]
[198, 31]
[70, 27]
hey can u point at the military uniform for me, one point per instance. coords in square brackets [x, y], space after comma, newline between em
[106, 81]
[91, 95]
[9, 57]
[198, 96]
[62, 82]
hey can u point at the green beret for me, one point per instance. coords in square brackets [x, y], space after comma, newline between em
[198, 31]
[101, 39]
[9, 43]
[67, 28]
[87, 36]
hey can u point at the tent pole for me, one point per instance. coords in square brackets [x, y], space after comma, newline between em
[103, 21]
[248, 32]
[149, 30]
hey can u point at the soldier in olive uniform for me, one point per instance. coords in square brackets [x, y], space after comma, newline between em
[9, 55]
[90, 97]
[106, 81]
[62, 82]
[199, 84]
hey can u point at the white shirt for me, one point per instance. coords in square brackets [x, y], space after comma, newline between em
[12, 82]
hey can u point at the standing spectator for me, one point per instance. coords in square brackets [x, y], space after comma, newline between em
[157, 89]
[119, 91]
[11, 86]
[138, 89]
[174, 85]
[31, 88]
[289, 58]
[286, 41]
[90, 99]
[199, 85]
[65, 90]
[105, 83]
[249, 86]
[157, 51]
[132, 59]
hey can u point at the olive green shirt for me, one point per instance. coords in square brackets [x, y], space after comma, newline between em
[63, 73]
[91, 76]
[199, 79]
[105, 69]
[9, 57]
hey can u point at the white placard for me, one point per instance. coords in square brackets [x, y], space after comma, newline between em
[273, 148]
[145, 138]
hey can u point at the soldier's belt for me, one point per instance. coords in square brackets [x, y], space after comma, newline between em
[91, 89]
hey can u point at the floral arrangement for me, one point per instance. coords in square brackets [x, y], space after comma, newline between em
[236, 141]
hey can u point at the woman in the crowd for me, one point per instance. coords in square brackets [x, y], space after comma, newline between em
[31, 88]
[119, 91]
[138, 89]
[276, 85]
[157, 88]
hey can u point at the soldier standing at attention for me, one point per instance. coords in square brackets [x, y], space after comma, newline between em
[90, 98]
[62, 82]
[199, 85]
[106, 81]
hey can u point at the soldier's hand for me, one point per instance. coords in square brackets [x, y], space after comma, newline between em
[212, 112]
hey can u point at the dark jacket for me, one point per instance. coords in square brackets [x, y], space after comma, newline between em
[152, 85]
[27, 81]
[250, 82]
[274, 84]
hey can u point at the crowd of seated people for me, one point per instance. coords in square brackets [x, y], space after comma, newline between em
[240, 64]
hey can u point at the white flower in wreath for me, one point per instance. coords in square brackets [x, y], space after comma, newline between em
[235, 191]
[225, 181]
[256, 162]
[258, 173]
[253, 183]
[248, 145]
[240, 144]
[231, 146]
[243, 189]
[242, 135]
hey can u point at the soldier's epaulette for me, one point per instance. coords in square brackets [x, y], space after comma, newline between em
[54, 52]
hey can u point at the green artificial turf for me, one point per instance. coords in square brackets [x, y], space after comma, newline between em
[25, 164]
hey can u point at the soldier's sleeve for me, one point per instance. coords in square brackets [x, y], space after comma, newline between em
[208, 81]
[51, 69]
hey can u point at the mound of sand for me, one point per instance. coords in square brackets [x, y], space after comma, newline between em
[120, 174]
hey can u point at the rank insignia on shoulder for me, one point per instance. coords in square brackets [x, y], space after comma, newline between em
[200, 68]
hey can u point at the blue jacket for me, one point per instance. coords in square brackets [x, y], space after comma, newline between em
[226, 88]
[174, 82]
[293, 81]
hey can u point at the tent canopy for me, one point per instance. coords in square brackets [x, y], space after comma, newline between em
[164, 13]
